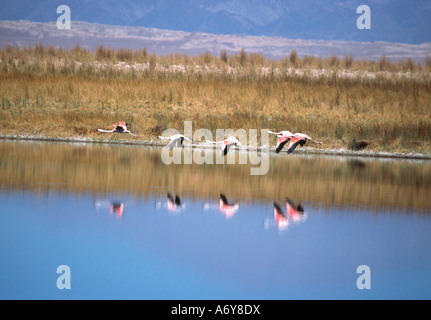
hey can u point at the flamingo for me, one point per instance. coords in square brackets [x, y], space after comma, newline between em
[295, 212]
[280, 217]
[301, 139]
[176, 139]
[227, 143]
[226, 208]
[121, 127]
[283, 137]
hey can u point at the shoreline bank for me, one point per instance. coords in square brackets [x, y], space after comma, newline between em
[305, 151]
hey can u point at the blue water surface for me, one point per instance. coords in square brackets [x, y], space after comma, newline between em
[148, 251]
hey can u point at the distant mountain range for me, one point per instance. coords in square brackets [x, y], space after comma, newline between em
[402, 21]
[90, 35]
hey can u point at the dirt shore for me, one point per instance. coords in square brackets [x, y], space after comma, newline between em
[305, 150]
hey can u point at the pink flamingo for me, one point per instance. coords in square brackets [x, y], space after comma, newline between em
[227, 143]
[283, 137]
[121, 127]
[176, 140]
[301, 139]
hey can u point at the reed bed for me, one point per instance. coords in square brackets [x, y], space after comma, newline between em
[378, 105]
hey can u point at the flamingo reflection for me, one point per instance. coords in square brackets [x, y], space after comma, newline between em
[117, 208]
[114, 207]
[294, 213]
[280, 217]
[227, 208]
[224, 206]
[174, 203]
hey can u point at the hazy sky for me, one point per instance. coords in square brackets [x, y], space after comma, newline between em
[403, 21]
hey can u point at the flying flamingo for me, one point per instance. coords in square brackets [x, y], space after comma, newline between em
[121, 127]
[176, 140]
[226, 208]
[283, 137]
[301, 139]
[227, 143]
[295, 212]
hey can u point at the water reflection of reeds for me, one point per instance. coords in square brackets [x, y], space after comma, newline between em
[324, 181]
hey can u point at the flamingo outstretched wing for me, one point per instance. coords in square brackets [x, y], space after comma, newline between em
[300, 139]
[281, 142]
[226, 148]
[283, 137]
[294, 142]
[121, 127]
[176, 140]
[106, 131]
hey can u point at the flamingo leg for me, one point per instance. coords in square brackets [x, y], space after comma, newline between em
[318, 142]
[132, 134]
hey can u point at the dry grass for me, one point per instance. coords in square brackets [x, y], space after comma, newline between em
[70, 93]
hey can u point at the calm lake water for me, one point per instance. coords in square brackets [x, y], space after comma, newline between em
[104, 211]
